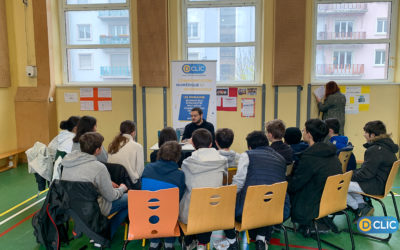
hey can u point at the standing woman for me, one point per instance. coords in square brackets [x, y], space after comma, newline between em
[333, 105]
[125, 151]
[87, 124]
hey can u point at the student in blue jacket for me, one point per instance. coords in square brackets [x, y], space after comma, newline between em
[164, 174]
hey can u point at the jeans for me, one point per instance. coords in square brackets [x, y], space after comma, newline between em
[120, 206]
[354, 199]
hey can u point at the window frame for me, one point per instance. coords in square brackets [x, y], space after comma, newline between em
[91, 61]
[90, 32]
[257, 35]
[382, 59]
[384, 25]
[63, 9]
[390, 41]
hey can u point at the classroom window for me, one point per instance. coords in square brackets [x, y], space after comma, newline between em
[103, 38]
[351, 38]
[225, 31]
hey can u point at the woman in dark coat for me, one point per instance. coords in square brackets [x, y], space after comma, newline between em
[333, 105]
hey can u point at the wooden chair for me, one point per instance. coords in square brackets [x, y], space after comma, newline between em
[289, 169]
[344, 159]
[378, 198]
[210, 209]
[263, 206]
[228, 177]
[153, 214]
[334, 201]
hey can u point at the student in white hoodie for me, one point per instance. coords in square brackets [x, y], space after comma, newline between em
[204, 168]
[125, 151]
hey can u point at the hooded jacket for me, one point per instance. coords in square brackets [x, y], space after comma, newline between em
[232, 157]
[62, 142]
[340, 141]
[204, 168]
[80, 166]
[378, 161]
[316, 164]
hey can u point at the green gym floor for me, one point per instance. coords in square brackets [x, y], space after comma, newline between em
[16, 232]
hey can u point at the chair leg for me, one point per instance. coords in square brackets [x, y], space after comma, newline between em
[353, 246]
[317, 234]
[395, 206]
[143, 242]
[125, 244]
[286, 236]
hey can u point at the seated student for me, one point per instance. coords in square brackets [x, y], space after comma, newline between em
[260, 165]
[293, 139]
[87, 124]
[275, 133]
[223, 140]
[372, 176]
[340, 141]
[204, 168]
[166, 134]
[163, 174]
[83, 166]
[316, 164]
[125, 151]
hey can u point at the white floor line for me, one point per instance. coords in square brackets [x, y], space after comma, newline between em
[23, 210]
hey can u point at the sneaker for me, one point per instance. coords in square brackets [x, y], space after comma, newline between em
[234, 246]
[365, 210]
[260, 245]
[201, 247]
[97, 245]
[158, 247]
[168, 248]
[191, 246]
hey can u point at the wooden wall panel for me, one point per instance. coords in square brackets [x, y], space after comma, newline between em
[5, 80]
[289, 42]
[153, 43]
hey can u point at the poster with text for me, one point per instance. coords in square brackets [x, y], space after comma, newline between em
[193, 85]
[227, 99]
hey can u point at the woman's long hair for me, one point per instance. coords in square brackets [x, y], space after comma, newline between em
[126, 127]
[85, 124]
[331, 88]
[69, 124]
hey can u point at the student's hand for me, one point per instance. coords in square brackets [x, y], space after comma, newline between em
[115, 185]
[123, 187]
[317, 98]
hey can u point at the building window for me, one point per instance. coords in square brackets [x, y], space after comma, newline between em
[347, 46]
[226, 32]
[103, 31]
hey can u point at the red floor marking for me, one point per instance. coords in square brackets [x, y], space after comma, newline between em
[276, 242]
[19, 223]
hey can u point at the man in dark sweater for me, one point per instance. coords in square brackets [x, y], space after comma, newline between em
[275, 133]
[198, 122]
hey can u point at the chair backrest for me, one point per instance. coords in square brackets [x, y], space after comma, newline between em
[334, 196]
[344, 159]
[392, 176]
[211, 209]
[289, 169]
[153, 214]
[229, 176]
[263, 205]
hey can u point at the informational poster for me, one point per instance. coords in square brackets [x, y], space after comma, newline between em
[193, 85]
[248, 107]
[70, 97]
[227, 99]
[252, 91]
[357, 98]
[96, 99]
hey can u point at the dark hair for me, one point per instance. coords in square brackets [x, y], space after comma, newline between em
[90, 141]
[333, 123]
[85, 124]
[375, 127]
[317, 129]
[201, 138]
[197, 109]
[69, 124]
[293, 135]
[331, 88]
[126, 127]
[170, 151]
[224, 137]
[256, 139]
[167, 134]
[276, 128]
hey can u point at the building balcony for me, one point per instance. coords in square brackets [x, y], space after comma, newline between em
[115, 71]
[340, 69]
[342, 35]
[124, 39]
[343, 8]
[113, 13]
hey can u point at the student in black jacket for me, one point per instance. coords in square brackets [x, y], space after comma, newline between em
[372, 176]
[275, 134]
[166, 134]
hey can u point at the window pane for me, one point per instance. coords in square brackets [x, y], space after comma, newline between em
[85, 61]
[352, 20]
[94, 1]
[107, 27]
[228, 24]
[233, 63]
[108, 65]
[349, 61]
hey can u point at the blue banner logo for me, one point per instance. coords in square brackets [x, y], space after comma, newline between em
[196, 68]
[377, 224]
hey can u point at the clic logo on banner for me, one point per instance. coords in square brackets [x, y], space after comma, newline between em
[377, 224]
[195, 68]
